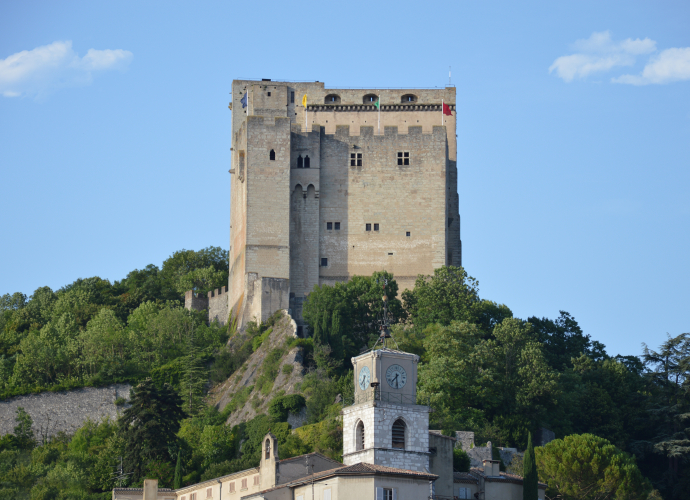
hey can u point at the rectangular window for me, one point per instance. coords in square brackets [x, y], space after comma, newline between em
[355, 159]
[232, 487]
[387, 494]
[208, 493]
[256, 480]
[324, 262]
[244, 483]
[292, 98]
[337, 226]
[192, 496]
[376, 227]
[269, 94]
[403, 158]
[368, 227]
[327, 494]
[329, 225]
[407, 233]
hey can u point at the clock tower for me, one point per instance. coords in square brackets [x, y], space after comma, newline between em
[385, 425]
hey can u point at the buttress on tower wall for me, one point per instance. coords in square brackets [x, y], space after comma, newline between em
[327, 191]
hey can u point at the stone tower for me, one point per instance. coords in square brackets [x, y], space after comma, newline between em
[336, 188]
[385, 425]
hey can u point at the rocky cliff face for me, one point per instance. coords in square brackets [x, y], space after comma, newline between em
[66, 411]
[273, 369]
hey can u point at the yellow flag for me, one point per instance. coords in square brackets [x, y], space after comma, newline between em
[304, 100]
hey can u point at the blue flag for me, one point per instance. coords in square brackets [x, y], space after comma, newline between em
[244, 100]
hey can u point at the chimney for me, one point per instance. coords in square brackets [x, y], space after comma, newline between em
[150, 489]
[492, 467]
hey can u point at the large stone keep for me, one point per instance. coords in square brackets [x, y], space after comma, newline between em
[335, 188]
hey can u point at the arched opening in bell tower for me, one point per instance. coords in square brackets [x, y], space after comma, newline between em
[399, 434]
[268, 449]
[359, 436]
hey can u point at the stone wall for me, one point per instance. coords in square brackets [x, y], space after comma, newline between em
[53, 412]
[378, 423]
[218, 306]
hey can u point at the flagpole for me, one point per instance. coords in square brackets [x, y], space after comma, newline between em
[442, 112]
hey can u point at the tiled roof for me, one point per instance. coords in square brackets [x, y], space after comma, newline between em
[464, 477]
[365, 469]
[140, 489]
[505, 477]
[300, 457]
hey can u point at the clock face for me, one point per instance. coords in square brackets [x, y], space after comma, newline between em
[396, 376]
[364, 378]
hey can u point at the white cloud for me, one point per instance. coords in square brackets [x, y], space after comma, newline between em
[599, 53]
[671, 65]
[38, 71]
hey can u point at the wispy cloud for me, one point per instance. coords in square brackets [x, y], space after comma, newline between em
[671, 65]
[39, 71]
[599, 53]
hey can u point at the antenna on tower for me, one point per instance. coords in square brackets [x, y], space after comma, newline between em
[449, 76]
[384, 322]
[119, 473]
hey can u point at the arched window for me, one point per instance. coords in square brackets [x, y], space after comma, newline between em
[268, 448]
[299, 161]
[399, 434]
[408, 98]
[332, 99]
[306, 162]
[359, 436]
[272, 155]
[370, 98]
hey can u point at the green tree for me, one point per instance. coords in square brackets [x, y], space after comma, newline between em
[194, 379]
[530, 477]
[345, 316]
[588, 467]
[177, 481]
[449, 295]
[149, 426]
[23, 431]
[183, 262]
[461, 460]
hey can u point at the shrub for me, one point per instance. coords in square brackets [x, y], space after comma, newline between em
[280, 406]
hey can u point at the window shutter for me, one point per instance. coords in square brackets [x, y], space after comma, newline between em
[299, 497]
[395, 493]
[327, 494]
[379, 493]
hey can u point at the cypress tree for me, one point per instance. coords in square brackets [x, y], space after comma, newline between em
[530, 478]
[177, 483]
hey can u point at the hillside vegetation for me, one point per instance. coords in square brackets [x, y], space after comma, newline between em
[481, 369]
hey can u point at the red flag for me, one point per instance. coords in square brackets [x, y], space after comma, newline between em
[446, 110]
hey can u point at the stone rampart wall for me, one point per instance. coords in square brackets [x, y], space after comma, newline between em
[53, 412]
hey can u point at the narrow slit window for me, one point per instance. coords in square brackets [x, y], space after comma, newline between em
[368, 227]
[337, 226]
[329, 226]
[268, 448]
[307, 162]
[399, 434]
[300, 161]
[403, 158]
[376, 227]
[292, 98]
[272, 155]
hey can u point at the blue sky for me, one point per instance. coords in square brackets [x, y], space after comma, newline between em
[573, 137]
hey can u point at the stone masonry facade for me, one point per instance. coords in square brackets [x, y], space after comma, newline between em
[378, 418]
[335, 189]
